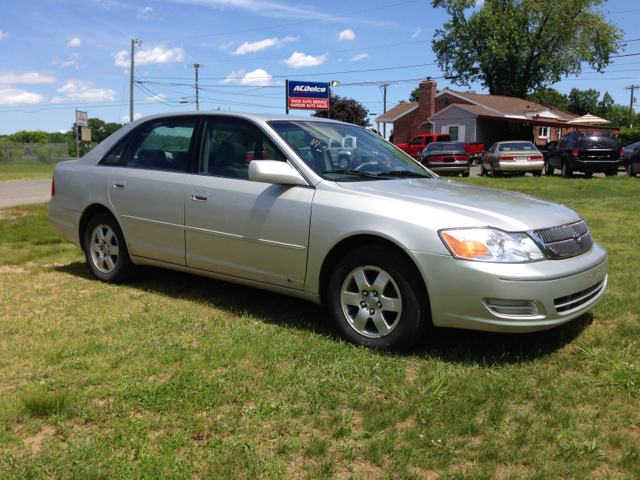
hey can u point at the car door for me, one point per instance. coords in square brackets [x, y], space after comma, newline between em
[416, 146]
[147, 188]
[240, 227]
[487, 157]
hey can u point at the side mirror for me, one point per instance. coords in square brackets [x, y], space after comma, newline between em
[274, 171]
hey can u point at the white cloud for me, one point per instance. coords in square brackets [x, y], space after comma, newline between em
[355, 58]
[417, 32]
[479, 3]
[156, 98]
[257, 78]
[63, 131]
[122, 59]
[3, 35]
[144, 12]
[299, 60]
[14, 96]
[74, 42]
[225, 46]
[136, 116]
[73, 61]
[247, 47]
[26, 78]
[160, 54]
[82, 91]
[347, 35]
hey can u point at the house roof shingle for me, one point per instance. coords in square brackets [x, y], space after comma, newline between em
[397, 111]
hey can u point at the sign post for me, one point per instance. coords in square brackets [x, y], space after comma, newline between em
[81, 121]
[308, 95]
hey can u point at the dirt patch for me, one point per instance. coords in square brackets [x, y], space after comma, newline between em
[35, 442]
[412, 372]
[11, 269]
[10, 214]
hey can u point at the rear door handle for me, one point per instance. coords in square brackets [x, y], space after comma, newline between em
[199, 196]
[119, 184]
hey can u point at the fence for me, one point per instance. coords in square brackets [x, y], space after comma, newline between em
[33, 153]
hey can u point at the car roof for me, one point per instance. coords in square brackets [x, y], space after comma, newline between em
[260, 117]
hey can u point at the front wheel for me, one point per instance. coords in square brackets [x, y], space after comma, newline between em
[548, 169]
[343, 162]
[566, 171]
[105, 249]
[377, 299]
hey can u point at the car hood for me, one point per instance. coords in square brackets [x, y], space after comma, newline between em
[460, 204]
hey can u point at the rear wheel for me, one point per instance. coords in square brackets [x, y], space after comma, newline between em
[466, 174]
[105, 249]
[548, 169]
[588, 174]
[494, 172]
[377, 299]
[566, 171]
[629, 169]
[537, 173]
[613, 172]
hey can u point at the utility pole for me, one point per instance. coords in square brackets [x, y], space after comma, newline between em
[134, 43]
[384, 125]
[196, 66]
[632, 87]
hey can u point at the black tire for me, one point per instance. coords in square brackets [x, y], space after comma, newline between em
[361, 320]
[101, 235]
[588, 175]
[548, 169]
[466, 174]
[613, 172]
[566, 172]
[537, 173]
[494, 172]
[629, 171]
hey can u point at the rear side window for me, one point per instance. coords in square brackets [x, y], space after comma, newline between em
[599, 141]
[443, 138]
[116, 154]
[163, 146]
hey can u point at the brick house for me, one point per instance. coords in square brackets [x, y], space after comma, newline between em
[472, 117]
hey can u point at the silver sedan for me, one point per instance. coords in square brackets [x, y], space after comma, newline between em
[389, 247]
[514, 156]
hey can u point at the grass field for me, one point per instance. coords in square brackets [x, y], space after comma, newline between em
[178, 376]
[25, 172]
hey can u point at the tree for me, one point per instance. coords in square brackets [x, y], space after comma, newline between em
[24, 136]
[346, 110]
[549, 96]
[513, 47]
[582, 102]
[101, 130]
[605, 106]
[415, 95]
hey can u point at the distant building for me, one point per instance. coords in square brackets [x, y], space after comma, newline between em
[472, 117]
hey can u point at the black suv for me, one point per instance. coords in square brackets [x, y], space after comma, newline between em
[587, 152]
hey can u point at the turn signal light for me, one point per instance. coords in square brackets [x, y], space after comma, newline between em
[53, 187]
[466, 248]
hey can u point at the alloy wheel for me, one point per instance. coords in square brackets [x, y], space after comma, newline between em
[104, 248]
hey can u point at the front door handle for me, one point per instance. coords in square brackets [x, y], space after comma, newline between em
[199, 196]
[119, 184]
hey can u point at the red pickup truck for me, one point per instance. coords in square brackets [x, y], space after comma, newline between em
[416, 145]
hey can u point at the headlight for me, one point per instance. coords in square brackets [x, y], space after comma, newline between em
[490, 245]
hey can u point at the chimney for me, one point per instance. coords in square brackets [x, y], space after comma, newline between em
[428, 97]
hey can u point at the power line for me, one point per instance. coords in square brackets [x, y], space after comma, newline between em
[285, 24]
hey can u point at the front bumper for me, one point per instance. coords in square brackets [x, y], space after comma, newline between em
[458, 290]
[513, 166]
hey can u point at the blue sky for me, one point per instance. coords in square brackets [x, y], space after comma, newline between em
[59, 55]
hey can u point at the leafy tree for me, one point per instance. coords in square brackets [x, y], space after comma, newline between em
[549, 96]
[582, 102]
[346, 110]
[605, 106]
[628, 136]
[517, 46]
[414, 96]
[101, 130]
[24, 136]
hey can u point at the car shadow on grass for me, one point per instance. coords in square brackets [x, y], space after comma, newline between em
[451, 345]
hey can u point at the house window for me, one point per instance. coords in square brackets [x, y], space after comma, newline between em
[544, 132]
[453, 133]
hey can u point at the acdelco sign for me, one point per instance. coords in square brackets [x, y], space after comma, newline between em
[308, 95]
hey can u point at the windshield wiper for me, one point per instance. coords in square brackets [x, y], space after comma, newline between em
[403, 173]
[350, 172]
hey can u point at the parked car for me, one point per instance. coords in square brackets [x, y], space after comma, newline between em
[513, 156]
[343, 151]
[629, 150]
[417, 144]
[632, 163]
[587, 152]
[544, 149]
[388, 247]
[446, 158]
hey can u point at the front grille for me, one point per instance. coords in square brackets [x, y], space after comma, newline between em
[576, 300]
[566, 240]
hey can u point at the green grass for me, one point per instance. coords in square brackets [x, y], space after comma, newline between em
[25, 172]
[178, 376]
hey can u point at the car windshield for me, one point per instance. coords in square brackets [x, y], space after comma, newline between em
[445, 148]
[517, 147]
[338, 151]
[597, 140]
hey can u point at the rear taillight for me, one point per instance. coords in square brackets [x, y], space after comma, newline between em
[53, 187]
[435, 159]
[460, 158]
[536, 157]
[575, 153]
[507, 158]
[621, 153]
